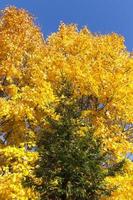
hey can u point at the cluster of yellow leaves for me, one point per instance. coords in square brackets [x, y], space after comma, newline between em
[25, 99]
[97, 66]
[15, 164]
[100, 71]
[122, 184]
[24, 91]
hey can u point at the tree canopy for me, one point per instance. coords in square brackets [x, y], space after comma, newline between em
[65, 96]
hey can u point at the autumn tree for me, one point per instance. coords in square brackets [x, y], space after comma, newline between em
[25, 98]
[71, 163]
[100, 72]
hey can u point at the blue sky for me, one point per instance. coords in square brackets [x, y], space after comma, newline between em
[102, 16]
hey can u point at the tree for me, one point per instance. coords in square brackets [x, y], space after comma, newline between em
[71, 164]
[100, 71]
[24, 99]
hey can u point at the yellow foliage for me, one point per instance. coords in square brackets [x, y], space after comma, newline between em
[100, 71]
[15, 165]
[25, 99]
[123, 184]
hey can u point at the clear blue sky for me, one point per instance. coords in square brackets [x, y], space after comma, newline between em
[103, 16]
